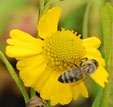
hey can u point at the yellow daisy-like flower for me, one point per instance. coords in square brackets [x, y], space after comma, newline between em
[41, 61]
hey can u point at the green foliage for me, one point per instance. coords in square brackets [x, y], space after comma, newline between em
[85, 22]
[32, 92]
[14, 76]
[74, 20]
[107, 25]
[98, 99]
[6, 7]
[49, 104]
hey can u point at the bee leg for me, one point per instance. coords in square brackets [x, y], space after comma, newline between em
[81, 61]
[71, 63]
[74, 64]
[84, 59]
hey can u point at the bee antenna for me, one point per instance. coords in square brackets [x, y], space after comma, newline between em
[81, 61]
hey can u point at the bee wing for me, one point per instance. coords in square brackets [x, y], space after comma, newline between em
[72, 75]
[79, 75]
[85, 76]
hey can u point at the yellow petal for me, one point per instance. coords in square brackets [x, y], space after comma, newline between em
[48, 22]
[43, 79]
[31, 68]
[20, 35]
[92, 53]
[92, 42]
[12, 51]
[55, 91]
[27, 61]
[75, 92]
[100, 76]
[83, 90]
[79, 89]
[22, 44]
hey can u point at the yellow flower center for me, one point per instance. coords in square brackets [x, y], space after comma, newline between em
[63, 47]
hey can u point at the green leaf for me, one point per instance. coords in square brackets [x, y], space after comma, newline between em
[85, 22]
[14, 76]
[106, 30]
[107, 24]
[98, 98]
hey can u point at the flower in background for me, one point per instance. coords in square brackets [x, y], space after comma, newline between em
[41, 61]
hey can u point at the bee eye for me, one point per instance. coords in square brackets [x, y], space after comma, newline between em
[95, 62]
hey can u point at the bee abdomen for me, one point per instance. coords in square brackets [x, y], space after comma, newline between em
[68, 77]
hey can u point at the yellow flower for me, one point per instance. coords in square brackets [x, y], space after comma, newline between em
[41, 61]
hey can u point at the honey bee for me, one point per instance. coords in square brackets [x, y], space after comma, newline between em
[86, 68]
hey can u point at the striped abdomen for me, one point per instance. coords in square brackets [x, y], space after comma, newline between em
[71, 75]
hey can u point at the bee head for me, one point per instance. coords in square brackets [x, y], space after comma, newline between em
[90, 66]
[95, 62]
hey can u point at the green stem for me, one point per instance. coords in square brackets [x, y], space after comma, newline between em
[49, 104]
[85, 21]
[107, 23]
[15, 77]
[41, 7]
[50, 2]
[107, 90]
[32, 92]
[46, 7]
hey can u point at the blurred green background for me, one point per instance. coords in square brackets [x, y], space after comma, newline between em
[23, 15]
